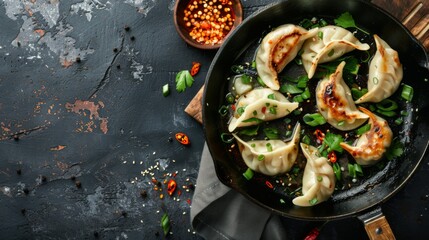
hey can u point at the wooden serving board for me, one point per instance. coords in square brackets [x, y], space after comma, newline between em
[414, 14]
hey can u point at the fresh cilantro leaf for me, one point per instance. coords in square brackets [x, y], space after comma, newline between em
[333, 142]
[346, 20]
[184, 80]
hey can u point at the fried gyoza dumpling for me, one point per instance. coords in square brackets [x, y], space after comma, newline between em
[335, 102]
[331, 43]
[270, 157]
[277, 49]
[318, 182]
[260, 104]
[385, 73]
[370, 147]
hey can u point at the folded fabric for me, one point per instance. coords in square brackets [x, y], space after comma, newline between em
[219, 212]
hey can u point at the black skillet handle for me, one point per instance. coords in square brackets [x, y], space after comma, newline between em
[376, 225]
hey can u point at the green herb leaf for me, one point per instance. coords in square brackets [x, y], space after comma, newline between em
[165, 224]
[257, 120]
[337, 170]
[333, 142]
[271, 133]
[290, 88]
[184, 80]
[346, 20]
[313, 201]
[250, 131]
[395, 150]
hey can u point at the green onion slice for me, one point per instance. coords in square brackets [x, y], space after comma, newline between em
[248, 174]
[407, 92]
[314, 119]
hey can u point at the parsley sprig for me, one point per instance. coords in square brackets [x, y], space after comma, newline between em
[346, 20]
[184, 80]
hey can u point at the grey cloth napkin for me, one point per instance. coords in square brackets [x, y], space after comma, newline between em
[219, 212]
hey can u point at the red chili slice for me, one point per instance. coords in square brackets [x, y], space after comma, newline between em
[182, 138]
[332, 157]
[195, 68]
[171, 186]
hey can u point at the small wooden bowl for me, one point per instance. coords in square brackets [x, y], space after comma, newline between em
[183, 31]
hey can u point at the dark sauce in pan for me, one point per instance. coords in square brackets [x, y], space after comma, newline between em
[288, 185]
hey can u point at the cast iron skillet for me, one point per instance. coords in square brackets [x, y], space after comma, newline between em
[363, 202]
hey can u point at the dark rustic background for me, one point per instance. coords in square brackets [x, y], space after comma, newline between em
[84, 127]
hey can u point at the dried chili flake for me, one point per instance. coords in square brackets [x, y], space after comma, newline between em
[332, 157]
[171, 186]
[195, 68]
[269, 184]
[319, 135]
[182, 138]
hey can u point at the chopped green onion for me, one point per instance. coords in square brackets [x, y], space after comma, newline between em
[386, 113]
[337, 170]
[271, 96]
[296, 112]
[282, 201]
[404, 113]
[366, 59]
[227, 137]
[313, 201]
[269, 147]
[248, 174]
[399, 121]
[320, 34]
[375, 80]
[288, 133]
[330, 53]
[240, 110]
[237, 69]
[341, 123]
[387, 105]
[358, 169]
[253, 65]
[261, 157]
[246, 79]
[306, 139]
[165, 90]
[319, 178]
[352, 171]
[287, 120]
[365, 128]
[273, 110]
[223, 110]
[323, 23]
[407, 92]
[314, 119]
[230, 98]
[165, 224]
[255, 113]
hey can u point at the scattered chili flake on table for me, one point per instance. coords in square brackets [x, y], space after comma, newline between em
[171, 187]
[195, 68]
[182, 138]
[209, 21]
